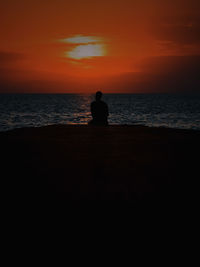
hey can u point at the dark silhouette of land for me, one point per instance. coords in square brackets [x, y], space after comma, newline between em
[118, 164]
[99, 111]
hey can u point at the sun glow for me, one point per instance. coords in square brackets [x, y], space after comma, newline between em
[84, 47]
[86, 51]
[80, 39]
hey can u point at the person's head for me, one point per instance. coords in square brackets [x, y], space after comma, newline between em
[98, 95]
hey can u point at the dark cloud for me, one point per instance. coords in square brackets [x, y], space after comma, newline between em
[9, 70]
[8, 58]
[8, 67]
[161, 74]
[174, 74]
[13, 78]
[182, 30]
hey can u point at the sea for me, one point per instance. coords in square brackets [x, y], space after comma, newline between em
[180, 111]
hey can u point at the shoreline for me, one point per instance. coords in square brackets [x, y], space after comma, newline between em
[110, 125]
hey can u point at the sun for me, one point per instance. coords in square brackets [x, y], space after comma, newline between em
[86, 51]
[84, 47]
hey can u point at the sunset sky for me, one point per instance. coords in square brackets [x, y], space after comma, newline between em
[117, 46]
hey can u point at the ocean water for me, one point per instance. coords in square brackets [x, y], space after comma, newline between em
[154, 110]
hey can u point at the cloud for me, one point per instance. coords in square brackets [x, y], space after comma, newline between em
[160, 75]
[9, 66]
[81, 39]
[182, 30]
[9, 58]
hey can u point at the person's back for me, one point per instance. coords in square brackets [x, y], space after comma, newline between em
[99, 111]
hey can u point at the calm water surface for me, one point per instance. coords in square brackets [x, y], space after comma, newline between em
[166, 110]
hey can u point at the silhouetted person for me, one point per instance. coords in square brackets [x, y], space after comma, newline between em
[99, 110]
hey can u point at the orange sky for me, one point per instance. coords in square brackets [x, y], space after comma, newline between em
[122, 45]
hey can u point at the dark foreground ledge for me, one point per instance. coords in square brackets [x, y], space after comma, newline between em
[119, 164]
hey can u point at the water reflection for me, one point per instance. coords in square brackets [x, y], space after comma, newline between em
[176, 111]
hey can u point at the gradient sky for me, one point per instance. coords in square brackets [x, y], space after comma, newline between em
[65, 46]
